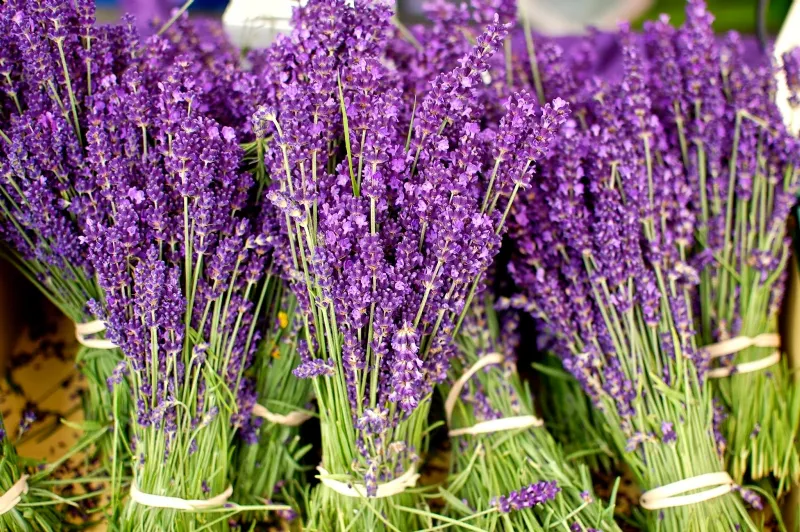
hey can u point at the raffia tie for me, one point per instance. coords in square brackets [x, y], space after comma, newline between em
[493, 425]
[359, 490]
[176, 503]
[740, 343]
[12, 497]
[670, 496]
[84, 330]
[292, 419]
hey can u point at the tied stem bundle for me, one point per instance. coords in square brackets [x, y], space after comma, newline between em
[603, 243]
[53, 57]
[268, 466]
[744, 178]
[16, 514]
[510, 479]
[58, 172]
[389, 231]
[182, 259]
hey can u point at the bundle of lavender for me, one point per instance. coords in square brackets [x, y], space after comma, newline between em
[602, 257]
[743, 169]
[389, 230]
[182, 270]
[52, 57]
[266, 459]
[500, 446]
[539, 64]
[55, 60]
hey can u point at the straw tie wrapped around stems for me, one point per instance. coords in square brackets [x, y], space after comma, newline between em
[292, 419]
[490, 426]
[671, 495]
[13, 495]
[734, 345]
[84, 330]
[359, 490]
[177, 503]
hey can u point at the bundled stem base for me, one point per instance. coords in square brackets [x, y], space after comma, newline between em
[332, 511]
[508, 460]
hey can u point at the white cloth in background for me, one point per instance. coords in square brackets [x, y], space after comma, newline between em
[256, 23]
[570, 17]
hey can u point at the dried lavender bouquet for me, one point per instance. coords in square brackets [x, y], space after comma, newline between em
[52, 57]
[508, 473]
[744, 172]
[182, 267]
[55, 60]
[389, 230]
[266, 460]
[603, 241]
[540, 65]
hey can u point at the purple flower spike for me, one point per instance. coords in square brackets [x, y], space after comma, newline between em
[528, 497]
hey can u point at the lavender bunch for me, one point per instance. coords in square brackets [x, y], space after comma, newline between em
[266, 459]
[544, 489]
[52, 56]
[603, 242]
[55, 60]
[742, 167]
[540, 65]
[389, 230]
[182, 268]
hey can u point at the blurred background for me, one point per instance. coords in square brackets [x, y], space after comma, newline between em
[549, 16]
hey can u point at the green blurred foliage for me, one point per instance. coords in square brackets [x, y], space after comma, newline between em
[737, 15]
